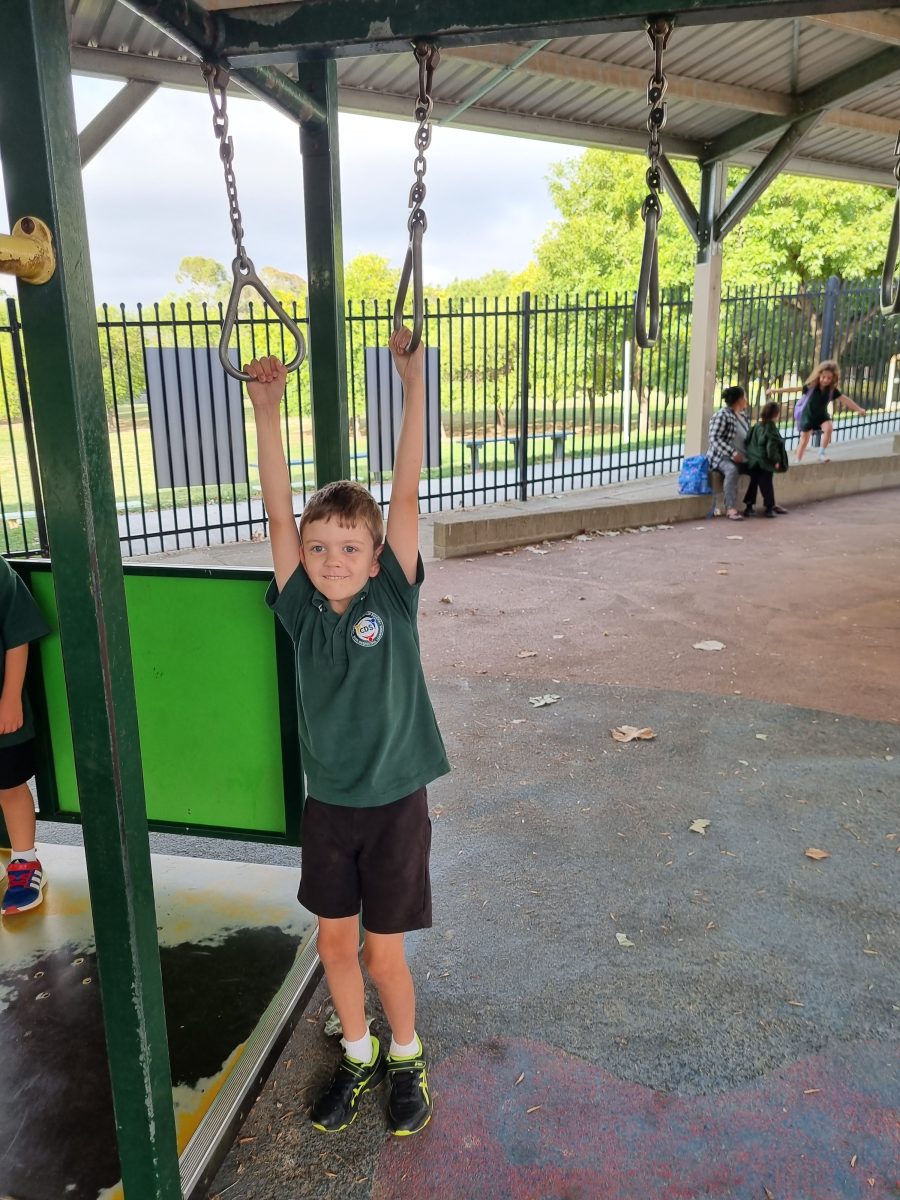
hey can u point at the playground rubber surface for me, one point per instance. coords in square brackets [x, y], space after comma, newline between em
[745, 1042]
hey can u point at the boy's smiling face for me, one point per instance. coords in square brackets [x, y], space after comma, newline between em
[338, 559]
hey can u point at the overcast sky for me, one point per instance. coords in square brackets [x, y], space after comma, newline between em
[155, 193]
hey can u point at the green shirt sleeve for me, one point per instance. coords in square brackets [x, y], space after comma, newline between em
[21, 620]
[291, 604]
[403, 592]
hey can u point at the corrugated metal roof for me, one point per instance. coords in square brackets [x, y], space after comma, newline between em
[718, 73]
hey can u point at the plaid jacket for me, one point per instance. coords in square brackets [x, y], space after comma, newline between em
[722, 429]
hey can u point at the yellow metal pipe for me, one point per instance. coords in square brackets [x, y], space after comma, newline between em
[27, 252]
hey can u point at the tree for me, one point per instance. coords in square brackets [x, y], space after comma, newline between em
[202, 279]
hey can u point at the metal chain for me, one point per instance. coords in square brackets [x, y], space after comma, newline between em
[217, 82]
[428, 58]
[890, 287]
[658, 31]
[646, 300]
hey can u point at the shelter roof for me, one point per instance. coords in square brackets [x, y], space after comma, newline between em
[735, 84]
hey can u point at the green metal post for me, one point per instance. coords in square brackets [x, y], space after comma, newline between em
[325, 270]
[42, 172]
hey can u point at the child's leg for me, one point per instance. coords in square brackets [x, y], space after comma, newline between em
[767, 487]
[18, 813]
[385, 959]
[827, 430]
[804, 442]
[338, 948]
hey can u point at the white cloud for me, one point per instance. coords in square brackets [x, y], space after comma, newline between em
[155, 193]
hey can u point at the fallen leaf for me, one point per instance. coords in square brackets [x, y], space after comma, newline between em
[854, 1160]
[796, 1003]
[533, 1108]
[519, 1080]
[721, 572]
[812, 852]
[623, 939]
[762, 737]
[743, 762]
[709, 645]
[536, 550]
[446, 599]
[698, 826]
[769, 1195]
[811, 1091]
[631, 733]
[735, 537]
[541, 701]
[504, 553]
[527, 654]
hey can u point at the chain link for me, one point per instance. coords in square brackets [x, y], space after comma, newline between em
[428, 58]
[217, 82]
[658, 31]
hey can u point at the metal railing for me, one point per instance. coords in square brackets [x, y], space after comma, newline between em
[533, 395]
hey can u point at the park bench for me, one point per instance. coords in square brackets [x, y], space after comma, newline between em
[558, 437]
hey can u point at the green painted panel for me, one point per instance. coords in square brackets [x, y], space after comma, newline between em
[203, 652]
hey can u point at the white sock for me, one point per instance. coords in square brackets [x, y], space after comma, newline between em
[24, 855]
[413, 1050]
[360, 1050]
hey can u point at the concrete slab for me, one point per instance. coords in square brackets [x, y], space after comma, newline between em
[748, 1039]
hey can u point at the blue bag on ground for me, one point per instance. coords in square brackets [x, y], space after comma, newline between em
[693, 479]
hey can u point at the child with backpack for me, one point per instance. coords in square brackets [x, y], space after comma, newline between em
[766, 455]
[812, 412]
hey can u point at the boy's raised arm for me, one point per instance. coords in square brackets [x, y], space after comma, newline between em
[403, 515]
[265, 395]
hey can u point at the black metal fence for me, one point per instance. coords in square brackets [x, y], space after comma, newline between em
[529, 395]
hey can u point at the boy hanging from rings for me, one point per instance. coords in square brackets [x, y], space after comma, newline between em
[348, 597]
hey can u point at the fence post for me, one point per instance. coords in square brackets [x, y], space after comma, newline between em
[15, 329]
[829, 315]
[524, 374]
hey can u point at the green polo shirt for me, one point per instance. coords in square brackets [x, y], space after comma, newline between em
[367, 728]
[21, 621]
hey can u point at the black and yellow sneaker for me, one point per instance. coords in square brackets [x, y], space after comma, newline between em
[336, 1108]
[409, 1105]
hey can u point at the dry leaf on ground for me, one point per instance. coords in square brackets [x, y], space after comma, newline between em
[631, 733]
[542, 701]
[537, 550]
[735, 537]
[699, 826]
[624, 940]
[812, 852]
[710, 645]
[527, 654]
[446, 599]
[762, 737]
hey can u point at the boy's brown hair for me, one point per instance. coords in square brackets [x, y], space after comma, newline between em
[349, 504]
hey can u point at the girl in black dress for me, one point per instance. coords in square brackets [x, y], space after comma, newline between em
[821, 391]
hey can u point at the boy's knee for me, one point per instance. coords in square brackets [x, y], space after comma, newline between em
[383, 966]
[336, 948]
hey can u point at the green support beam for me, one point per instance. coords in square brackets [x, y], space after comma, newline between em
[42, 173]
[280, 33]
[871, 72]
[325, 272]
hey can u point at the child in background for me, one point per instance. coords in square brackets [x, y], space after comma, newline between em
[766, 455]
[821, 391]
[21, 622]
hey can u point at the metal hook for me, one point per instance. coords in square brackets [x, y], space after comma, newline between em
[890, 289]
[648, 283]
[245, 276]
[412, 267]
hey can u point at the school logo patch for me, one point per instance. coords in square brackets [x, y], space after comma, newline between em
[368, 630]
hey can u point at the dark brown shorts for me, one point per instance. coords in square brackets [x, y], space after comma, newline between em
[373, 860]
[16, 764]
